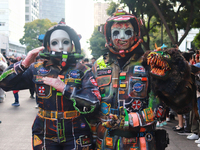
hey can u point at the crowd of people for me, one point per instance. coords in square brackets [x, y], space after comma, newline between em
[188, 124]
[9, 60]
[102, 104]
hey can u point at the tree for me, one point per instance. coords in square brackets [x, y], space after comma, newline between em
[174, 20]
[112, 8]
[32, 30]
[97, 43]
[174, 15]
[196, 41]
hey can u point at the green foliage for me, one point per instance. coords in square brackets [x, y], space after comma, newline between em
[196, 41]
[112, 8]
[97, 43]
[32, 30]
[182, 14]
[155, 37]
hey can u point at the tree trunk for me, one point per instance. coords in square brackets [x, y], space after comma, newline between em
[164, 22]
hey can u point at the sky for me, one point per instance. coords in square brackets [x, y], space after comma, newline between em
[80, 16]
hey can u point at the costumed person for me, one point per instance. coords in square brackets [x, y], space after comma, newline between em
[3, 65]
[66, 91]
[126, 122]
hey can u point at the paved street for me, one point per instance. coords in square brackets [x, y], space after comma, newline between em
[15, 129]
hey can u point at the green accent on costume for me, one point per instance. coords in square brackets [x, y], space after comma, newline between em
[118, 144]
[63, 131]
[77, 81]
[103, 95]
[59, 94]
[74, 104]
[101, 63]
[122, 13]
[126, 123]
[53, 88]
[65, 56]
[122, 77]
[77, 55]
[153, 100]
[6, 73]
[88, 123]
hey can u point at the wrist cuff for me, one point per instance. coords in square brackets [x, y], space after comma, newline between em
[19, 68]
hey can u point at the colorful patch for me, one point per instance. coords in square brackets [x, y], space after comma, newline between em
[137, 87]
[41, 90]
[72, 81]
[109, 141]
[82, 125]
[93, 81]
[105, 108]
[37, 64]
[98, 143]
[97, 94]
[37, 140]
[149, 114]
[74, 74]
[85, 140]
[104, 72]
[137, 104]
[43, 71]
[129, 140]
[148, 137]
[139, 69]
[38, 78]
[121, 92]
[159, 112]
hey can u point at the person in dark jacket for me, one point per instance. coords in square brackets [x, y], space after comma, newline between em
[66, 91]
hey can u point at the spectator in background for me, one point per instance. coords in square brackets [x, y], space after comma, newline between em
[195, 128]
[4, 55]
[192, 60]
[93, 60]
[197, 57]
[86, 62]
[12, 60]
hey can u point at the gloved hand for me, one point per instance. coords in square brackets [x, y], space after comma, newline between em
[30, 58]
[116, 122]
[54, 82]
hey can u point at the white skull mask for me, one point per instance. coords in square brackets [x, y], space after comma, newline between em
[122, 35]
[60, 41]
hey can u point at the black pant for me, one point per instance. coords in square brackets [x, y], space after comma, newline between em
[32, 91]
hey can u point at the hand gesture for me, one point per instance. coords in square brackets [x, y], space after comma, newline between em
[54, 82]
[30, 58]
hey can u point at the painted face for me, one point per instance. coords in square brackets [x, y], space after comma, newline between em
[122, 35]
[60, 41]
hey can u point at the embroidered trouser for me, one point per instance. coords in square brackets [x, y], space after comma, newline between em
[61, 134]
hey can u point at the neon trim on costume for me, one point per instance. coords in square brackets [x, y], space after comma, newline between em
[6, 73]
[74, 104]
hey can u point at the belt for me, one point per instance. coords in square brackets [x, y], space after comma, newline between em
[58, 115]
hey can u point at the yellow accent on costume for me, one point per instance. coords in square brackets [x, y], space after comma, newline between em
[37, 140]
[101, 63]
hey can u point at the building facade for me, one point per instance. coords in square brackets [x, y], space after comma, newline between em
[31, 10]
[54, 10]
[186, 43]
[100, 15]
[12, 20]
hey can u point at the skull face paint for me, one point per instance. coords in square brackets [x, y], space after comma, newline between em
[122, 35]
[60, 41]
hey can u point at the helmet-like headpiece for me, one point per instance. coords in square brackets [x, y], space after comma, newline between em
[121, 16]
[73, 36]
